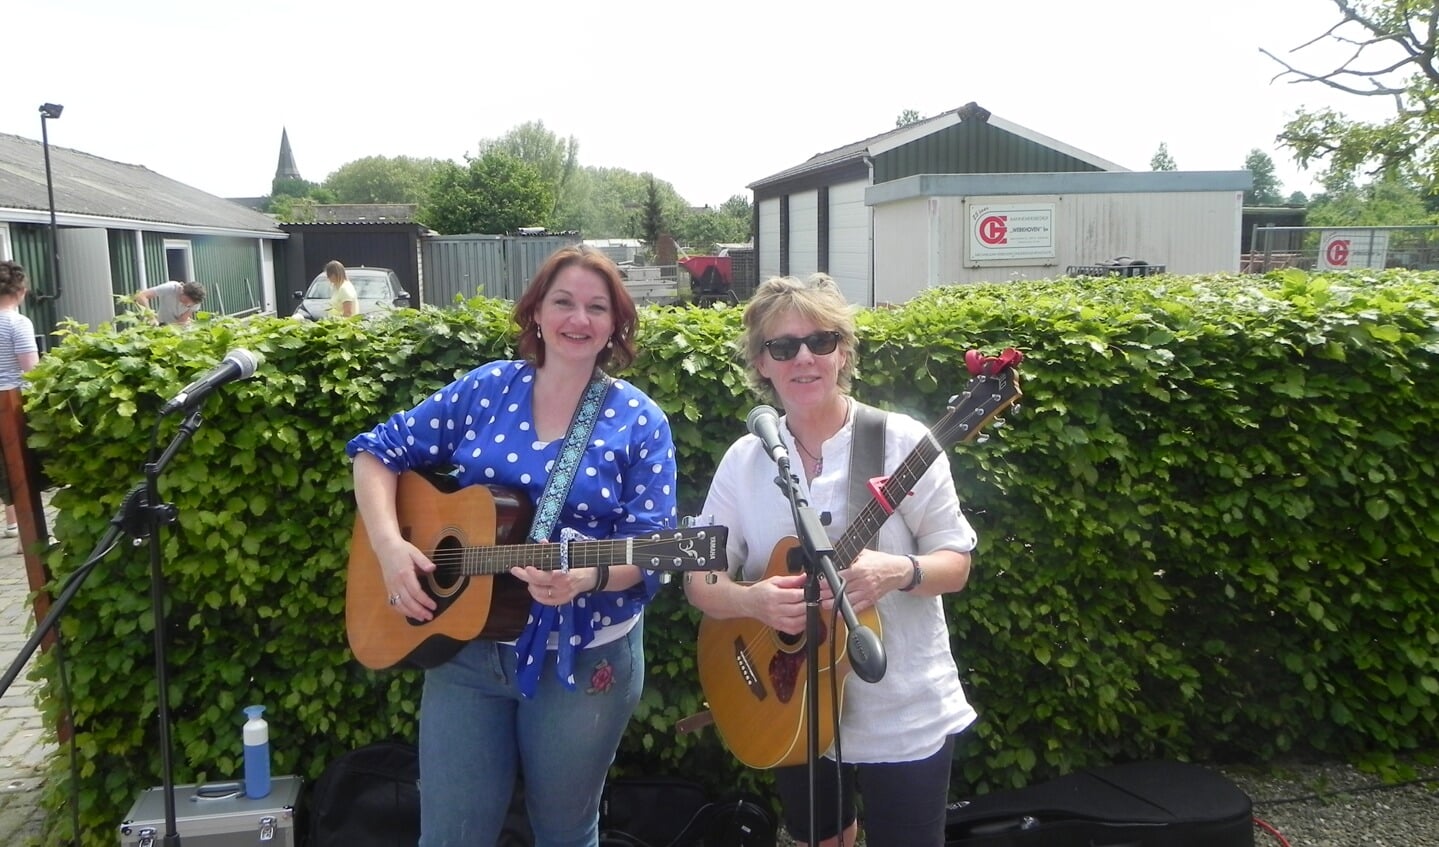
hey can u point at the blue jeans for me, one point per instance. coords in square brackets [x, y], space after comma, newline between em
[476, 731]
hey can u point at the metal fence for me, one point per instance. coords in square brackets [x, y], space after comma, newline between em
[1341, 248]
[493, 265]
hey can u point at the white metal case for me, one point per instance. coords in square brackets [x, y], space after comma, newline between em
[216, 815]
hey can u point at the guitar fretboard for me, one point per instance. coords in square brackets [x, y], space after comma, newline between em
[661, 553]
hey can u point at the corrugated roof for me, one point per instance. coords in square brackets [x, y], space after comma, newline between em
[90, 186]
[365, 212]
[909, 132]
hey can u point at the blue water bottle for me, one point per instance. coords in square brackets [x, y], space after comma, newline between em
[257, 753]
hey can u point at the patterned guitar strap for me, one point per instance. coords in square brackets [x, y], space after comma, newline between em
[533, 643]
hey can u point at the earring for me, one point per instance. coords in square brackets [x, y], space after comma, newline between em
[539, 335]
[609, 345]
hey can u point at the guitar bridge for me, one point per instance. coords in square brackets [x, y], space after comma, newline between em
[747, 672]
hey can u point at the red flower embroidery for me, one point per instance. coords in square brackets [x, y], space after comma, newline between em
[603, 678]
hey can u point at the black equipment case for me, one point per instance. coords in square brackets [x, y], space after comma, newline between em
[1143, 804]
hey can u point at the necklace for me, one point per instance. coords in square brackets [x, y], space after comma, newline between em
[818, 460]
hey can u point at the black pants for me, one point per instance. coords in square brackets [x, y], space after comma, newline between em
[904, 802]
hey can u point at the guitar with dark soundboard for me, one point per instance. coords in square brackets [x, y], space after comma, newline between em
[752, 675]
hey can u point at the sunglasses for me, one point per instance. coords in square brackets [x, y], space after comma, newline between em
[786, 347]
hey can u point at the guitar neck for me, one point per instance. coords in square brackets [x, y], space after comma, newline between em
[865, 526]
[488, 561]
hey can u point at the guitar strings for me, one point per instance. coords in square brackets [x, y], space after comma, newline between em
[492, 560]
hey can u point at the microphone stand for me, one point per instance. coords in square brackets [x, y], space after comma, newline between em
[140, 517]
[155, 515]
[867, 653]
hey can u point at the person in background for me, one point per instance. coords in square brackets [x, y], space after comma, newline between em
[896, 735]
[554, 703]
[344, 302]
[172, 302]
[18, 354]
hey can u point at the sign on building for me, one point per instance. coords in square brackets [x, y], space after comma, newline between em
[1019, 231]
[1348, 249]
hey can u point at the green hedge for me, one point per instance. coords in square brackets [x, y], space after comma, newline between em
[1206, 534]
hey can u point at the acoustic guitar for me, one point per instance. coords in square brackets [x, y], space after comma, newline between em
[474, 535]
[754, 676]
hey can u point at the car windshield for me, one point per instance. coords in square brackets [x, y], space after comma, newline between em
[372, 288]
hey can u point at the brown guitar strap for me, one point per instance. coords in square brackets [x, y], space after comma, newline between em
[866, 454]
[557, 488]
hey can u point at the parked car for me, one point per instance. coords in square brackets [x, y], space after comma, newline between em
[379, 291]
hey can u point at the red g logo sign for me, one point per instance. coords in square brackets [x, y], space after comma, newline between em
[1337, 253]
[992, 229]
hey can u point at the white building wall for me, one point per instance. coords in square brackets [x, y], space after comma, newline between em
[85, 280]
[267, 277]
[768, 258]
[902, 258]
[850, 245]
[803, 234]
[1187, 232]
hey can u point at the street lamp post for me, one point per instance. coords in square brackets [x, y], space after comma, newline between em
[50, 112]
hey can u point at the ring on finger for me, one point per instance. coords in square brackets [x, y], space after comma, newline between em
[394, 599]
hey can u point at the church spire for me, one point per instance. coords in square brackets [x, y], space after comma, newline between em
[286, 168]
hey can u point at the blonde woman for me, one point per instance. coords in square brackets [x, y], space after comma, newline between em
[898, 734]
[344, 301]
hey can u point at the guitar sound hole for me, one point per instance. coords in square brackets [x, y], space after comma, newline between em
[447, 573]
[791, 643]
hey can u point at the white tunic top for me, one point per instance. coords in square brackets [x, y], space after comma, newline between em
[919, 701]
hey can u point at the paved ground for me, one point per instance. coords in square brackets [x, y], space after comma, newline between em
[23, 746]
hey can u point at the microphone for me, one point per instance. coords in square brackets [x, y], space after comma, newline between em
[866, 654]
[763, 423]
[237, 364]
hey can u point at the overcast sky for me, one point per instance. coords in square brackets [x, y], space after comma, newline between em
[708, 96]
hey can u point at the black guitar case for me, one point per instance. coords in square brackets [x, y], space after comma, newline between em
[1143, 804]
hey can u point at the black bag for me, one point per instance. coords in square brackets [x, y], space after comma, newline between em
[668, 812]
[369, 797]
[1142, 804]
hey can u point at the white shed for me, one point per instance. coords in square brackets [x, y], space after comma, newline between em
[956, 228]
[886, 216]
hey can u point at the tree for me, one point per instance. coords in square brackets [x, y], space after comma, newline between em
[613, 200]
[652, 220]
[555, 159]
[495, 194]
[907, 117]
[1391, 48]
[701, 230]
[1383, 202]
[379, 179]
[294, 200]
[1266, 185]
[1162, 161]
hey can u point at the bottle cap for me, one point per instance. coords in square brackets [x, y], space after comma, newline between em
[254, 712]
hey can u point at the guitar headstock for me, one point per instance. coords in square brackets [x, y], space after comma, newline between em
[692, 548]
[994, 387]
